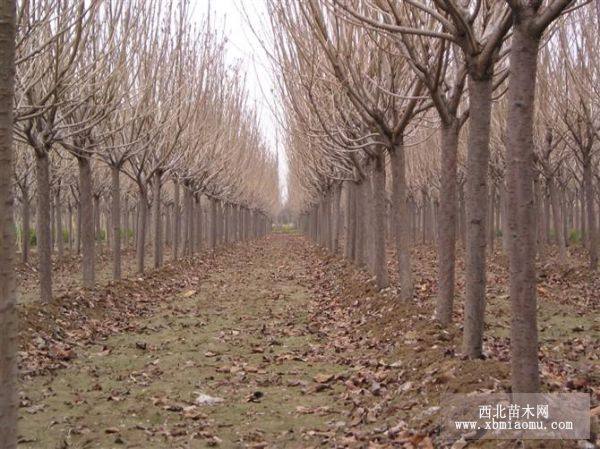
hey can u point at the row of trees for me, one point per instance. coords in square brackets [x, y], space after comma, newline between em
[430, 107]
[127, 110]
[132, 105]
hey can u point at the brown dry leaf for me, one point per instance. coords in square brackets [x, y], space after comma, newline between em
[323, 378]
[192, 412]
[188, 293]
[213, 441]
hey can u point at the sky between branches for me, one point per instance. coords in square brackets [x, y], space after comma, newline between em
[239, 20]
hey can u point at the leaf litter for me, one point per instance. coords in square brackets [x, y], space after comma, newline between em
[270, 345]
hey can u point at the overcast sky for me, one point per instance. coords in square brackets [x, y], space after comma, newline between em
[244, 46]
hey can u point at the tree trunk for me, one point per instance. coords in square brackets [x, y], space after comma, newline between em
[213, 223]
[169, 220]
[378, 226]
[557, 221]
[108, 229]
[491, 231]
[135, 215]
[25, 233]
[52, 226]
[462, 218]
[401, 220]
[591, 216]
[236, 222]
[350, 220]
[447, 224]
[504, 217]
[360, 242]
[226, 222]
[141, 229]
[125, 222]
[60, 242]
[157, 220]
[186, 222]
[198, 201]
[192, 228]
[243, 224]
[540, 245]
[337, 219]
[582, 220]
[44, 243]
[116, 221]
[520, 211]
[563, 212]
[78, 241]
[70, 228]
[424, 212]
[96, 218]
[221, 222]
[8, 317]
[478, 154]
[87, 221]
[546, 217]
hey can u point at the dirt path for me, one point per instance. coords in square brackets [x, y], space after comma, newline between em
[243, 340]
[274, 345]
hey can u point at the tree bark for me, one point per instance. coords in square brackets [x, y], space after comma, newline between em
[350, 220]
[78, 240]
[213, 224]
[176, 219]
[44, 243]
[540, 241]
[226, 222]
[504, 215]
[8, 316]
[462, 215]
[447, 224]
[520, 211]
[70, 227]
[108, 229]
[478, 154]
[378, 227]
[141, 229]
[125, 222]
[401, 220]
[491, 215]
[337, 228]
[557, 221]
[221, 223]
[546, 216]
[158, 258]
[360, 242]
[583, 221]
[96, 218]
[168, 225]
[116, 220]
[52, 225]
[25, 233]
[198, 202]
[591, 216]
[186, 222]
[87, 221]
[60, 242]
[192, 228]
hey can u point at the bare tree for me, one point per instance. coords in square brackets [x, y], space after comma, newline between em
[530, 20]
[8, 316]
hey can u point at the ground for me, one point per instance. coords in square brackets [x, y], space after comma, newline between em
[275, 344]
